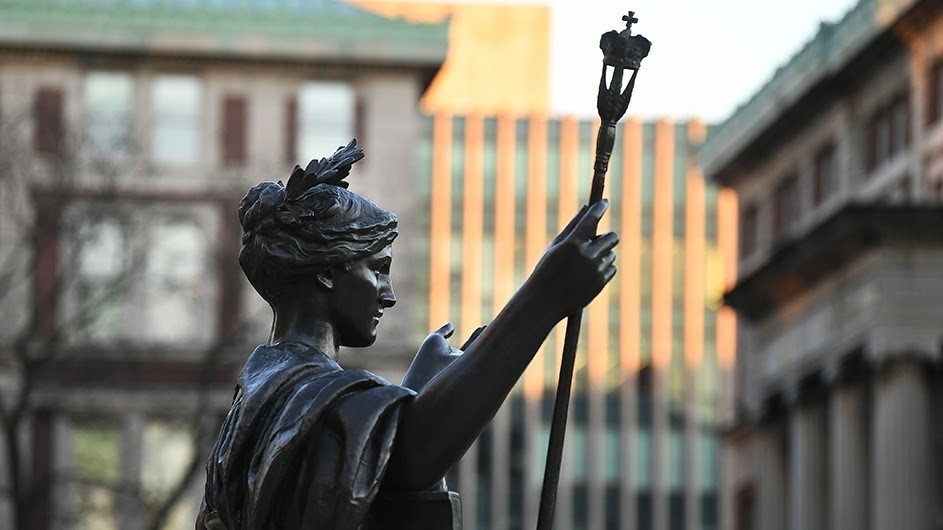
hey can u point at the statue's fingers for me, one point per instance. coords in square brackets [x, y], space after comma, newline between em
[473, 337]
[446, 330]
[586, 227]
[603, 243]
[609, 274]
[607, 261]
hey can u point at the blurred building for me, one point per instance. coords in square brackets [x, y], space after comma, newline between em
[499, 55]
[838, 165]
[500, 178]
[130, 131]
[137, 126]
[657, 352]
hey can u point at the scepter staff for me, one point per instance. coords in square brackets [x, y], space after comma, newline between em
[621, 51]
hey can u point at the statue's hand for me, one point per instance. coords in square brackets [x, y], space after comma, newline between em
[577, 265]
[435, 355]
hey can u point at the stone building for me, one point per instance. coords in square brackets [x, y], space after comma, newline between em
[837, 164]
[130, 131]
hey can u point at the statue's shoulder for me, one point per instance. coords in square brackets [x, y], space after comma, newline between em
[278, 365]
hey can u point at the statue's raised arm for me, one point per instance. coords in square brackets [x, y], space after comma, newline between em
[307, 444]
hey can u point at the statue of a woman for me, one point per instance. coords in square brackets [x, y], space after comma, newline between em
[308, 444]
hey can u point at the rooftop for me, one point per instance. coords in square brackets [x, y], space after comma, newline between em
[310, 30]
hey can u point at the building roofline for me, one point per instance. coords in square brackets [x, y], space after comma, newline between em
[825, 56]
[327, 31]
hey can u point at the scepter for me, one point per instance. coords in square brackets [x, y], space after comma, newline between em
[621, 51]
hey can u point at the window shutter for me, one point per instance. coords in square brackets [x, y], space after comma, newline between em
[291, 129]
[360, 119]
[47, 118]
[234, 130]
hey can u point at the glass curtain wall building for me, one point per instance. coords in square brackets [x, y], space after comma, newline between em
[657, 347]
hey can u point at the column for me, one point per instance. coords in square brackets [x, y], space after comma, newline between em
[848, 458]
[130, 510]
[900, 459]
[771, 479]
[807, 476]
[63, 494]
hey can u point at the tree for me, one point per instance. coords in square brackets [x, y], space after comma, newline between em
[64, 286]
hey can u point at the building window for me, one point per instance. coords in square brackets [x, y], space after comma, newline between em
[748, 231]
[102, 267]
[785, 205]
[825, 175]
[167, 450]
[233, 130]
[108, 104]
[935, 93]
[106, 473]
[888, 132]
[745, 506]
[175, 280]
[899, 116]
[96, 473]
[143, 275]
[326, 118]
[176, 119]
[48, 122]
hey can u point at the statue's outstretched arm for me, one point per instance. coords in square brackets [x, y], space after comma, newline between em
[448, 413]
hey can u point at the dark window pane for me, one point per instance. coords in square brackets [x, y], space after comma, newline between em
[743, 514]
[785, 205]
[899, 121]
[612, 507]
[644, 511]
[676, 511]
[748, 231]
[934, 95]
[825, 175]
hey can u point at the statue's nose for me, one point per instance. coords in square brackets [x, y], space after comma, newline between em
[387, 298]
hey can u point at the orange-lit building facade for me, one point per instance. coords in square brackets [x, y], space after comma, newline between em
[498, 60]
[657, 349]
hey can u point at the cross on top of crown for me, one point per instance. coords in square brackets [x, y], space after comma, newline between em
[629, 20]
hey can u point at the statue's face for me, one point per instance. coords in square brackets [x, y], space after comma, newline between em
[361, 292]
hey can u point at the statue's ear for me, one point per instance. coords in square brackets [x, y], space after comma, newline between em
[325, 279]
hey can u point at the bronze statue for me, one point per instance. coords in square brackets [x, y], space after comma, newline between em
[308, 444]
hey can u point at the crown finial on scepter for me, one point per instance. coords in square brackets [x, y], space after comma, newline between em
[629, 20]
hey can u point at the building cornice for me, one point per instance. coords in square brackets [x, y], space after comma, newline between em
[800, 263]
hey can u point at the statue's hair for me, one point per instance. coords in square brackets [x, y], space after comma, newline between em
[309, 225]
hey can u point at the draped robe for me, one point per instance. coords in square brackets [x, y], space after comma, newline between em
[305, 444]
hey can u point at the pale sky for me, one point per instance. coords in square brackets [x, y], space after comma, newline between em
[706, 58]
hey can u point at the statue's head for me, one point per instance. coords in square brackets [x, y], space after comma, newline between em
[310, 226]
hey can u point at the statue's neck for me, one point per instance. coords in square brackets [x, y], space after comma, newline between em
[307, 329]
